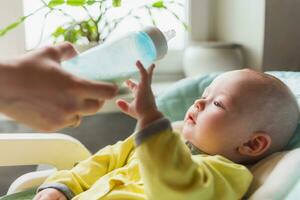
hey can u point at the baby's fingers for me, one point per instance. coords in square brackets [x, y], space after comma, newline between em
[150, 72]
[143, 72]
[131, 85]
[123, 105]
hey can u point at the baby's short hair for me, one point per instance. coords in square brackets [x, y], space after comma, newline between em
[278, 111]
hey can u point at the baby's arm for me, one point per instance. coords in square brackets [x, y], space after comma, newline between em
[81, 177]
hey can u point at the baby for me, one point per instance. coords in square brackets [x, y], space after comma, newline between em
[242, 117]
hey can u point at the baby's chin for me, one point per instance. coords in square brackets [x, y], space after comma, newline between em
[188, 137]
[187, 131]
[186, 134]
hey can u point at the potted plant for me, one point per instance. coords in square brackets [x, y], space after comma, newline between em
[97, 26]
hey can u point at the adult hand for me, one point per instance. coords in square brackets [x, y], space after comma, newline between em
[34, 90]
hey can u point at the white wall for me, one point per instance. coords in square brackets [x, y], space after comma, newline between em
[242, 22]
[200, 19]
[234, 21]
[268, 30]
[13, 43]
[282, 36]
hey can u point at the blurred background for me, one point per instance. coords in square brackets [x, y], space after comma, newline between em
[211, 35]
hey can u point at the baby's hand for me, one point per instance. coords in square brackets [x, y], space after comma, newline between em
[143, 107]
[50, 194]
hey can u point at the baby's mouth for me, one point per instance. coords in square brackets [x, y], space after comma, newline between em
[190, 119]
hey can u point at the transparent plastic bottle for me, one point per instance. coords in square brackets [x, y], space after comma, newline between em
[115, 61]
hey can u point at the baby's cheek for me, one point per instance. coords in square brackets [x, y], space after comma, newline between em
[214, 118]
[210, 131]
[209, 121]
[213, 123]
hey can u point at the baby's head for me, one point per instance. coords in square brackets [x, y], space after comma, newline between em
[243, 115]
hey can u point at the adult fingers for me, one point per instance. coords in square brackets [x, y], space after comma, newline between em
[96, 90]
[66, 50]
[75, 121]
[90, 106]
[59, 52]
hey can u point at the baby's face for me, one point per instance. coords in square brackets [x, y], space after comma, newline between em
[216, 123]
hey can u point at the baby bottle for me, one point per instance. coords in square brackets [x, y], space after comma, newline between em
[115, 61]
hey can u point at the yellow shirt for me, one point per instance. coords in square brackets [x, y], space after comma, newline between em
[161, 167]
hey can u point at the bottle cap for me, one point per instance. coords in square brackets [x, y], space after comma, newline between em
[159, 39]
[169, 34]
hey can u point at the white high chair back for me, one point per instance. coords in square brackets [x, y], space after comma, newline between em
[58, 150]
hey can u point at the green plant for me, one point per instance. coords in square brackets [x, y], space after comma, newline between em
[94, 28]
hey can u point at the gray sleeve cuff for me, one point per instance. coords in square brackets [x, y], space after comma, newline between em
[154, 128]
[58, 186]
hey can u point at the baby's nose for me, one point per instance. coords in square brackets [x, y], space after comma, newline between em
[200, 104]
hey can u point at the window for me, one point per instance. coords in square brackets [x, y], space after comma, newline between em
[40, 26]
[13, 43]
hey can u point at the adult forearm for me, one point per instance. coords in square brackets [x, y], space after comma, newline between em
[6, 69]
[3, 70]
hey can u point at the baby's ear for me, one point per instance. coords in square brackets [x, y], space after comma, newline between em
[258, 144]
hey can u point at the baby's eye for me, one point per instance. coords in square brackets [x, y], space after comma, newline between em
[218, 104]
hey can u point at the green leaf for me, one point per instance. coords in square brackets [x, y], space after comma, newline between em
[158, 4]
[12, 26]
[54, 3]
[75, 2]
[58, 32]
[71, 35]
[90, 2]
[117, 3]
